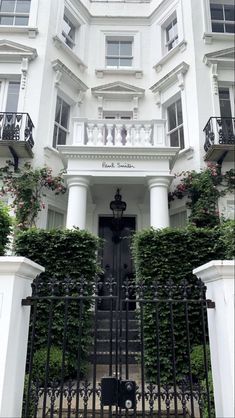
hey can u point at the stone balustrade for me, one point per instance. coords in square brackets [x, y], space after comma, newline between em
[118, 133]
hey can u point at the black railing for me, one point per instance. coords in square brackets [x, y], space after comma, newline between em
[147, 344]
[220, 131]
[16, 127]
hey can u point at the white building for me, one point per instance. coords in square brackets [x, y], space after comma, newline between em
[119, 93]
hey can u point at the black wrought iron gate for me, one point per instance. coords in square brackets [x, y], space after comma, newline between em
[144, 352]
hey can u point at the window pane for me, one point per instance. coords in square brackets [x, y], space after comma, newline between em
[6, 20]
[171, 117]
[224, 94]
[58, 109]
[181, 138]
[23, 6]
[174, 140]
[7, 6]
[217, 27]
[112, 48]
[12, 96]
[217, 12]
[225, 106]
[230, 28]
[179, 112]
[125, 62]
[55, 134]
[229, 12]
[64, 115]
[61, 137]
[125, 48]
[68, 28]
[21, 20]
[112, 62]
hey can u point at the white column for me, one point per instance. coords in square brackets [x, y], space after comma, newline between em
[77, 202]
[16, 276]
[159, 212]
[219, 278]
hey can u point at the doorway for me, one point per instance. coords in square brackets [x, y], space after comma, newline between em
[115, 255]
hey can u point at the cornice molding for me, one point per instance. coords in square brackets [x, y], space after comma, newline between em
[223, 58]
[62, 70]
[16, 52]
[177, 74]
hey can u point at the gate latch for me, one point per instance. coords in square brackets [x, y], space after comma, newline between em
[118, 392]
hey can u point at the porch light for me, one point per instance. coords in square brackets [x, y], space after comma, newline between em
[117, 205]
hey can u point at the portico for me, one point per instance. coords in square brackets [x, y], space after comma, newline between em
[94, 173]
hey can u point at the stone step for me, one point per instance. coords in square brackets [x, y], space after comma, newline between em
[107, 314]
[105, 324]
[103, 357]
[104, 344]
[133, 334]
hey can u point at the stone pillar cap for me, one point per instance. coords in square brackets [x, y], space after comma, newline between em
[215, 270]
[20, 266]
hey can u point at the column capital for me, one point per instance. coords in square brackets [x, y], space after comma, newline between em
[76, 181]
[161, 181]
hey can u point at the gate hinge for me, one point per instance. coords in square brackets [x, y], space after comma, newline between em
[27, 302]
[210, 304]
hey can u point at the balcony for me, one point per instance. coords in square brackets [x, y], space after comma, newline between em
[16, 135]
[219, 138]
[119, 133]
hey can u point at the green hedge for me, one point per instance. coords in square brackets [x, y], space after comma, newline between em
[172, 254]
[63, 254]
[5, 227]
[227, 240]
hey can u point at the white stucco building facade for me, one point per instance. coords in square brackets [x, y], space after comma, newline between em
[118, 93]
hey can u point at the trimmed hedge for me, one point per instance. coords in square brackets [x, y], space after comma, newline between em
[172, 254]
[5, 227]
[63, 253]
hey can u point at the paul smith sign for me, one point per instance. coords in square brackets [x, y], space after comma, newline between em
[118, 165]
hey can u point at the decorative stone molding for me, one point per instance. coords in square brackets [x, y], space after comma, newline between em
[117, 90]
[101, 72]
[177, 74]
[24, 70]
[30, 30]
[223, 58]
[214, 78]
[62, 71]
[15, 52]
[59, 43]
[178, 48]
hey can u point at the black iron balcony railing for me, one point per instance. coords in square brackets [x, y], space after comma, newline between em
[219, 131]
[16, 127]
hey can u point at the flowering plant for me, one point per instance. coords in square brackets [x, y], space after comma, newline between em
[27, 187]
[202, 192]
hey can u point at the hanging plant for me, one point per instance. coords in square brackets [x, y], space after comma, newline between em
[27, 187]
[203, 193]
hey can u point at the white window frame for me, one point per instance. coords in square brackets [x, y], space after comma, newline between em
[175, 38]
[208, 34]
[4, 85]
[178, 127]
[119, 39]
[57, 124]
[55, 211]
[15, 14]
[224, 22]
[67, 39]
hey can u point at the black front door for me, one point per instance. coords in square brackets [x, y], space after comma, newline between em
[116, 260]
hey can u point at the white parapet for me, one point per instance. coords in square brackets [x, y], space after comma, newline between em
[16, 276]
[218, 276]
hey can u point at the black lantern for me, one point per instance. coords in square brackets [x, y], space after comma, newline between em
[118, 206]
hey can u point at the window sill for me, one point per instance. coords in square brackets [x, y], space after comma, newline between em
[59, 43]
[209, 37]
[180, 47]
[186, 152]
[32, 31]
[101, 72]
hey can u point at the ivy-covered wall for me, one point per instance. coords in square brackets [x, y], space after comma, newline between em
[5, 227]
[64, 254]
[172, 254]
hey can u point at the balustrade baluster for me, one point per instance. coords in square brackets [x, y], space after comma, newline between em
[118, 136]
[100, 136]
[109, 138]
[128, 136]
[147, 135]
[137, 135]
[90, 134]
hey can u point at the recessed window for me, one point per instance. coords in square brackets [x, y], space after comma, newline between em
[12, 96]
[175, 124]
[14, 12]
[61, 122]
[55, 219]
[222, 18]
[119, 53]
[171, 35]
[68, 32]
